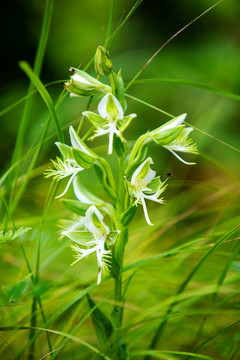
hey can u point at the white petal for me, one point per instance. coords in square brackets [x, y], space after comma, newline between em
[76, 143]
[179, 158]
[145, 212]
[137, 171]
[78, 78]
[178, 121]
[102, 107]
[68, 184]
[110, 146]
[98, 232]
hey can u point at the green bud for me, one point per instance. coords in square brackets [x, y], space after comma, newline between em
[83, 84]
[102, 62]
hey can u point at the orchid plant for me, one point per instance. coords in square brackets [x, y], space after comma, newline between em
[102, 226]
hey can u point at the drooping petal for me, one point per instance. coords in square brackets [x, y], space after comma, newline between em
[145, 211]
[68, 185]
[84, 195]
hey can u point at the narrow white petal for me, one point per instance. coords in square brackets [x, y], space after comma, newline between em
[110, 145]
[179, 158]
[68, 184]
[145, 211]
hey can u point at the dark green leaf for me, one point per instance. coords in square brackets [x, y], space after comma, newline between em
[128, 215]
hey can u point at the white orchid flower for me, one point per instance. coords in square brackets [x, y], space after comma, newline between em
[144, 185]
[75, 159]
[83, 84]
[111, 119]
[94, 239]
[173, 136]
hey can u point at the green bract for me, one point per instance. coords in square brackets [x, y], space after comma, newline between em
[83, 84]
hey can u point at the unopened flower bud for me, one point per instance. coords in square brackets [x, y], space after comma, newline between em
[102, 62]
[83, 84]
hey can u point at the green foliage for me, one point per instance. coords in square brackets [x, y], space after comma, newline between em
[6, 237]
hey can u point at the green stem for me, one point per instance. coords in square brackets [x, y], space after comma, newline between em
[118, 255]
[112, 81]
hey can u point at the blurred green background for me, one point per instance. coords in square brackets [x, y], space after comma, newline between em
[202, 200]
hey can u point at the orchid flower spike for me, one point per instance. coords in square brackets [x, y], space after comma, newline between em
[76, 158]
[144, 185]
[111, 119]
[94, 238]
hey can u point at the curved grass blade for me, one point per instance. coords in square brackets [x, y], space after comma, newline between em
[167, 42]
[109, 26]
[45, 95]
[56, 316]
[172, 116]
[185, 283]
[116, 32]
[190, 83]
[18, 102]
[217, 334]
[57, 332]
[158, 354]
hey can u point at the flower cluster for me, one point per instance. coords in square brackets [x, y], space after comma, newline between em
[90, 234]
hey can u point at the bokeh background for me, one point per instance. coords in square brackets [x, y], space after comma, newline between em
[202, 200]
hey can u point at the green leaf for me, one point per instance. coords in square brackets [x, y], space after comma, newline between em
[103, 327]
[83, 159]
[80, 237]
[118, 145]
[76, 206]
[119, 91]
[105, 177]
[128, 215]
[189, 83]
[10, 235]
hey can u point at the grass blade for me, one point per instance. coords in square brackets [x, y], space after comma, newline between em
[190, 83]
[44, 94]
